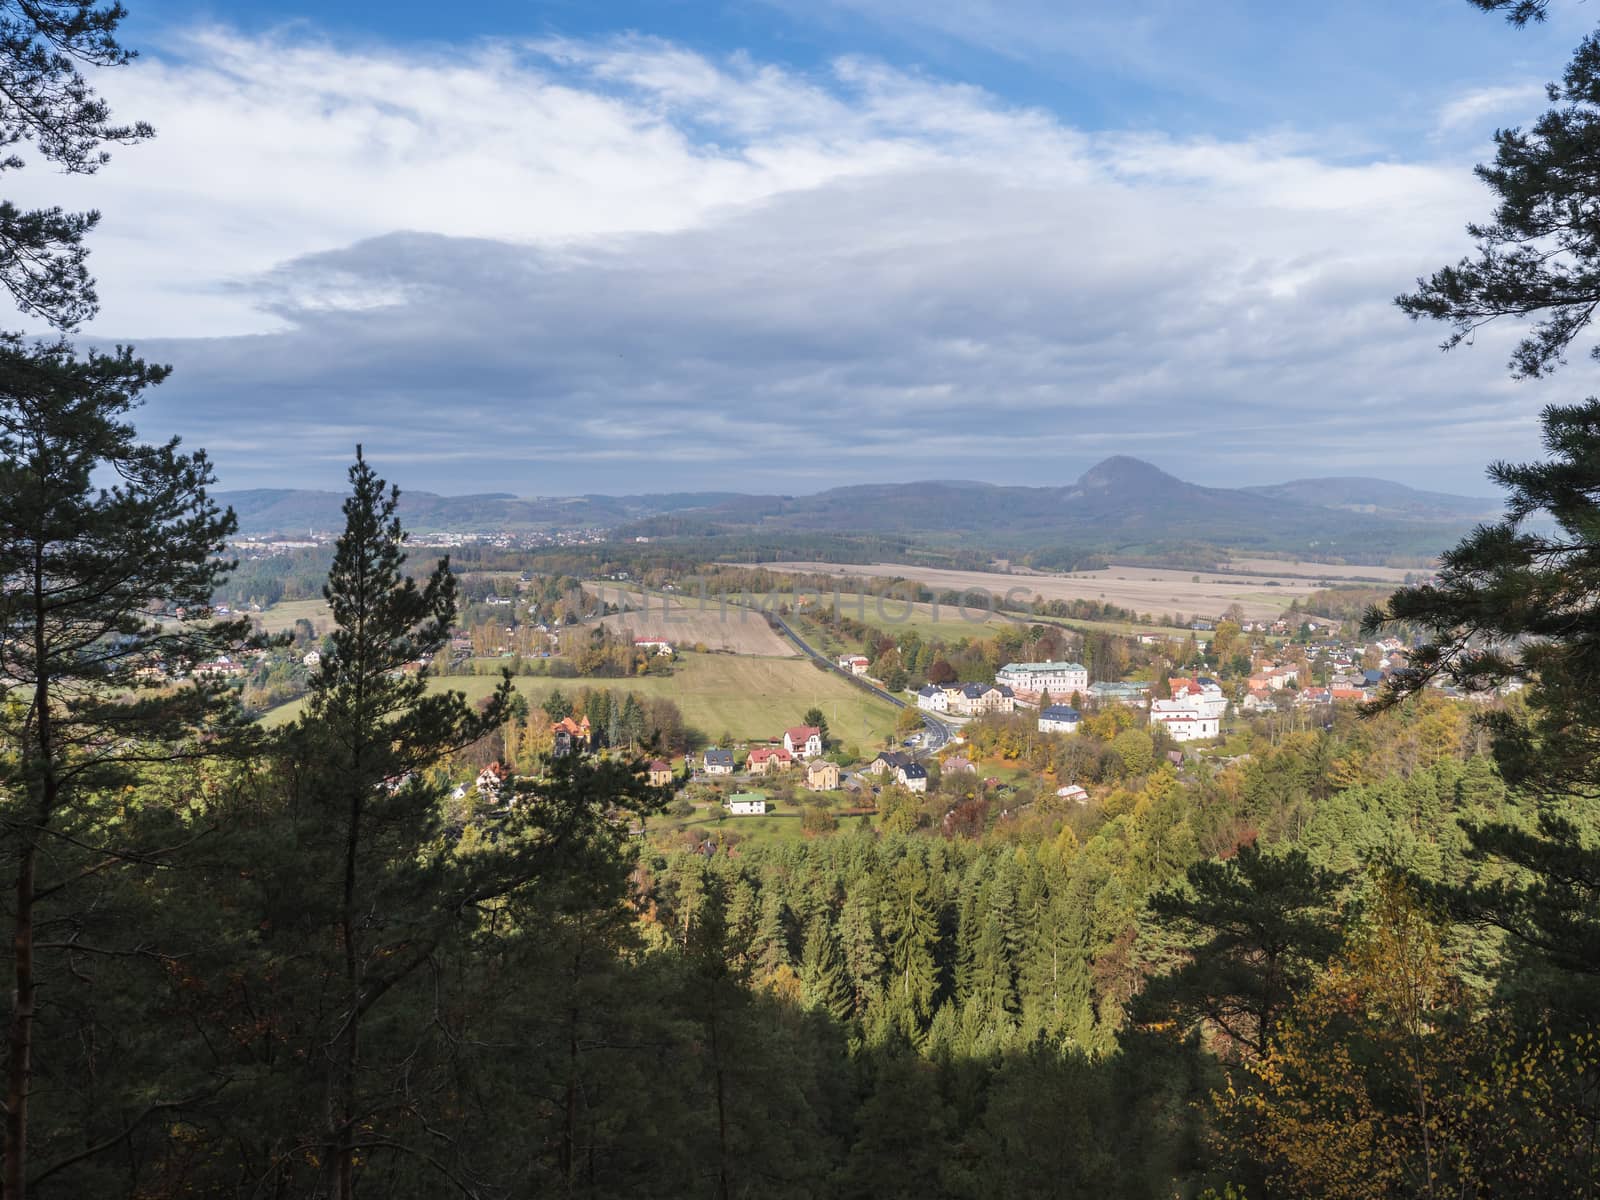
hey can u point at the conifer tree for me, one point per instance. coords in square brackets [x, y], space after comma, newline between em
[87, 569]
[1258, 924]
[380, 872]
[822, 973]
[861, 944]
[911, 928]
[51, 109]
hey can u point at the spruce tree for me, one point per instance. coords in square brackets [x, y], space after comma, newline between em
[101, 537]
[911, 928]
[822, 973]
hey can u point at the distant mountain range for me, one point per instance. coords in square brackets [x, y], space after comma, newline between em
[1121, 502]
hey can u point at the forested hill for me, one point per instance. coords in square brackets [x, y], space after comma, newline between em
[1121, 502]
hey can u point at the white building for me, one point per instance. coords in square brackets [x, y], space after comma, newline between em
[933, 698]
[913, 776]
[1059, 718]
[856, 664]
[803, 741]
[747, 804]
[1183, 719]
[1204, 695]
[1058, 678]
[654, 646]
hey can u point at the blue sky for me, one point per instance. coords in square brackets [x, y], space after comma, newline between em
[554, 247]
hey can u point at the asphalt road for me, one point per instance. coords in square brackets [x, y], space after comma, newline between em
[936, 733]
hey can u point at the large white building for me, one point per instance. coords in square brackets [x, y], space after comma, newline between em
[1184, 720]
[1060, 679]
[1203, 695]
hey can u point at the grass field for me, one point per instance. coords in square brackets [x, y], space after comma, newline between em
[746, 696]
[774, 827]
[284, 614]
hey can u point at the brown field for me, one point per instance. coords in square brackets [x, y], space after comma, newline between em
[691, 622]
[1155, 591]
[1348, 573]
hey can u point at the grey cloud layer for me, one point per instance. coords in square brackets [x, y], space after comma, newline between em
[894, 278]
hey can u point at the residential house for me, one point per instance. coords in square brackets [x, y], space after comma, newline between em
[654, 646]
[570, 737]
[1059, 718]
[660, 773]
[491, 779]
[1259, 701]
[1347, 693]
[312, 660]
[913, 776]
[976, 699]
[959, 764]
[933, 698]
[822, 776]
[1031, 679]
[763, 759]
[856, 664]
[1073, 793]
[747, 804]
[803, 741]
[718, 762]
[888, 761]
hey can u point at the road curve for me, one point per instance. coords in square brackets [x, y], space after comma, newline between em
[938, 731]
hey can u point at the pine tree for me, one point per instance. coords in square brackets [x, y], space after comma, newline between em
[51, 109]
[1516, 601]
[86, 570]
[1257, 926]
[368, 732]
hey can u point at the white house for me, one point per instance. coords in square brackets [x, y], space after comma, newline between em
[1073, 793]
[803, 741]
[1059, 718]
[856, 664]
[1032, 678]
[1183, 719]
[747, 804]
[491, 779]
[654, 646]
[718, 761]
[914, 776]
[933, 698]
[312, 660]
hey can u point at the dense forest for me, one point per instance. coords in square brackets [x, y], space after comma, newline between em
[1351, 961]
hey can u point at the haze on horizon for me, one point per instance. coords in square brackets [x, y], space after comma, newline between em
[626, 248]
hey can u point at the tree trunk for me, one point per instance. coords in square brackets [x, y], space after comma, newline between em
[19, 1067]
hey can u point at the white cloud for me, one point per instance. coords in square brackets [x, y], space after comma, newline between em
[588, 266]
[1475, 109]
